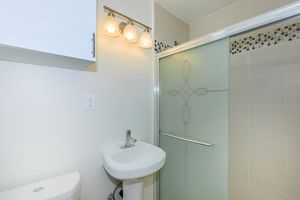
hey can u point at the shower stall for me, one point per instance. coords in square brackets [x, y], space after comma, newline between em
[228, 115]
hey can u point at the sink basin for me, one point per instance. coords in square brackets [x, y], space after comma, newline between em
[135, 162]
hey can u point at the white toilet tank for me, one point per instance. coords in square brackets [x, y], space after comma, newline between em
[65, 187]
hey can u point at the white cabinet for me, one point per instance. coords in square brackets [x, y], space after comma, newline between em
[58, 32]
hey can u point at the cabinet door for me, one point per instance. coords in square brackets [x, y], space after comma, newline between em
[61, 27]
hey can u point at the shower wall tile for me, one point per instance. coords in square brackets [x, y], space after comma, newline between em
[238, 118]
[240, 191]
[239, 144]
[291, 88]
[239, 169]
[239, 60]
[293, 155]
[264, 136]
[257, 90]
[267, 148]
[255, 41]
[168, 28]
[260, 118]
[238, 91]
[269, 178]
[275, 68]
[278, 120]
[239, 67]
[265, 90]
[273, 55]
[259, 147]
[239, 71]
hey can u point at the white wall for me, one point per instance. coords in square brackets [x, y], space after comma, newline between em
[234, 13]
[44, 128]
[169, 28]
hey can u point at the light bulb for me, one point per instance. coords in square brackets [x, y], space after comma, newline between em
[111, 26]
[146, 40]
[129, 33]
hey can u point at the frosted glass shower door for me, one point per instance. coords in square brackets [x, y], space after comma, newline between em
[193, 113]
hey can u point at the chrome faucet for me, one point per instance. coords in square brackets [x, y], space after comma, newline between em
[129, 140]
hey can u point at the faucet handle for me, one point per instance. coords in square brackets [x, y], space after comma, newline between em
[128, 136]
[128, 133]
[129, 140]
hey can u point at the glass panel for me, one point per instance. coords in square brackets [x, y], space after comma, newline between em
[194, 105]
[172, 178]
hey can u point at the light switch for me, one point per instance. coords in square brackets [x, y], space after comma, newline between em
[90, 102]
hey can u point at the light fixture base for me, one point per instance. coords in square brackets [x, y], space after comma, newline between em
[122, 27]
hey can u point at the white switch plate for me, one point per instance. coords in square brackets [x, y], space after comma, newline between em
[90, 102]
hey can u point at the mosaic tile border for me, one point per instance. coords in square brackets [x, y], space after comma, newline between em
[160, 46]
[265, 37]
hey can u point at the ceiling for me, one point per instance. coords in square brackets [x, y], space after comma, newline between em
[191, 10]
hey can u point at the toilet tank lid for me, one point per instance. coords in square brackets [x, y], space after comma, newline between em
[57, 188]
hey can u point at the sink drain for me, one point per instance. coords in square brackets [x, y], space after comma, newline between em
[117, 194]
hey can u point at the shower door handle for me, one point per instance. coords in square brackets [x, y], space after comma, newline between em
[204, 143]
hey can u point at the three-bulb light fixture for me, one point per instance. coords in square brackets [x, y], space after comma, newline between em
[114, 29]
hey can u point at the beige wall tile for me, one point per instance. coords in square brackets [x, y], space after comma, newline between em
[238, 90]
[162, 12]
[267, 148]
[293, 155]
[277, 120]
[239, 143]
[239, 66]
[267, 58]
[263, 55]
[238, 117]
[285, 120]
[292, 87]
[269, 178]
[238, 168]
[275, 67]
[193, 33]
[255, 90]
[167, 31]
[240, 191]
[258, 147]
[169, 28]
[266, 90]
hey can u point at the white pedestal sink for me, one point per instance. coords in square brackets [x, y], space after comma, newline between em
[132, 164]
